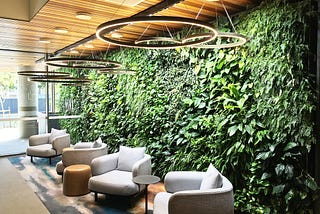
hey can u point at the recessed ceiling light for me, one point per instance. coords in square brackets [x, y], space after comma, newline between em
[116, 35]
[83, 15]
[126, 2]
[44, 40]
[88, 45]
[61, 30]
[74, 52]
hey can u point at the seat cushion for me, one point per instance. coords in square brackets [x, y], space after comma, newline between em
[212, 179]
[44, 150]
[129, 156]
[115, 182]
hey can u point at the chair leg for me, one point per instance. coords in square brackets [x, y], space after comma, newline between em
[49, 160]
[95, 196]
[31, 159]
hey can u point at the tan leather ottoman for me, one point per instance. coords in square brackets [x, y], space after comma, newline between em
[75, 180]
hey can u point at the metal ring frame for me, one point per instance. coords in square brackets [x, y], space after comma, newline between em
[82, 63]
[117, 71]
[110, 26]
[240, 41]
[157, 39]
[60, 79]
[43, 73]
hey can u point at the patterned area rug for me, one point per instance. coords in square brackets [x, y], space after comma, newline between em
[47, 184]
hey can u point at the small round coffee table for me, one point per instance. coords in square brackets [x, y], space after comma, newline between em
[146, 180]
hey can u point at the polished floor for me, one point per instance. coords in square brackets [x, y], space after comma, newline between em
[16, 196]
[10, 143]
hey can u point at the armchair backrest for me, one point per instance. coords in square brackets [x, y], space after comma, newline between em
[60, 142]
[83, 155]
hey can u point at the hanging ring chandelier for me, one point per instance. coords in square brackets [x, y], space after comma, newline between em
[108, 27]
[157, 39]
[47, 74]
[236, 40]
[60, 79]
[82, 63]
[117, 71]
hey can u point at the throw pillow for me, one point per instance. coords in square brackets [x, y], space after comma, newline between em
[55, 133]
[212, 179]
[129, 156]
[97, 143]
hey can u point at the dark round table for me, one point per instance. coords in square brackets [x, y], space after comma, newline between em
[146, 180]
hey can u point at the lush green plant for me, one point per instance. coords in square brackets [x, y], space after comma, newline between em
[247, 110]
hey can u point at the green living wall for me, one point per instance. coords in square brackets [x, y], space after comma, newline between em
[247, 110]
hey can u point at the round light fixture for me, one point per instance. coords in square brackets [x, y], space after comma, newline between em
[117, 71]
[60, 79]
[83, 15]
[157, 39]
[236, 40]
[43, 73]
[82, 63]
[61, 30]
[88, 45]
[74, 52]
[108, 27]
[116, 35]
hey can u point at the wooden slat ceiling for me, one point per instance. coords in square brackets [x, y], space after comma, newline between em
[19, 40]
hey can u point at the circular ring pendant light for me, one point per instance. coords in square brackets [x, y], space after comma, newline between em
[82, 63]
[60, 79]
[117, 71]
[108, 27]
[43, 74]
[157, 39]
[236, 40]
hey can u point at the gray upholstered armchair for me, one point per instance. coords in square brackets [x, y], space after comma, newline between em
[112, 173]
[48, 145]
[190, 192]
[81, 153]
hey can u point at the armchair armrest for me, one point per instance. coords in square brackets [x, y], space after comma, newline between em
[104, 163]
[81, 156]
[142, 167]
[61, 142]
[183, 180]
[219, 200]
[39, 139]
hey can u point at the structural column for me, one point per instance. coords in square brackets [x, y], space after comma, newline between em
[27, 104]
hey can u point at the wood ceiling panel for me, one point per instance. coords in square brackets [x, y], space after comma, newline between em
[19, 40]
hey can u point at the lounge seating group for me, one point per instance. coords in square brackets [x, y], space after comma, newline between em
[186, 192]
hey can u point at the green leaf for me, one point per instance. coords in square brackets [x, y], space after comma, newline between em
[289, 146]
[278, 189]
[249, 129]
[232, 130]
